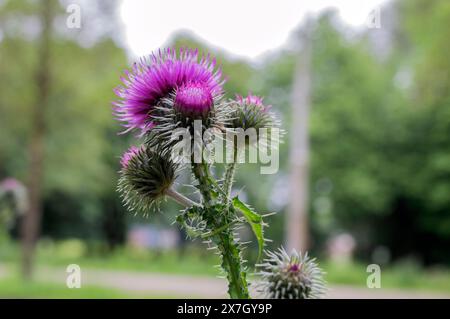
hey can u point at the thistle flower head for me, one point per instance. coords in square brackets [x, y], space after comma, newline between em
[194, 100]
[294, 276]
[145, 177]
[191, 102]
[158, 76]
[250, 112]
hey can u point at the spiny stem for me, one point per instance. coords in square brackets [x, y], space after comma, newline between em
[181, 199]
[229, 174]
[201, 175]
[232, 264]
[217, 231]
[231, 259]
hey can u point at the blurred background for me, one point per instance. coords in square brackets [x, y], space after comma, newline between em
[363, 91]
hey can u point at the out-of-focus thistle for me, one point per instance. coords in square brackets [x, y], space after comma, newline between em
[294, 276]
[19, 197]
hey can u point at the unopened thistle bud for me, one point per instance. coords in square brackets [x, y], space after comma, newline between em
[294, 276]
[145, 177]
[250, 112]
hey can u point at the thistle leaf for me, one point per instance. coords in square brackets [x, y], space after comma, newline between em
[254, 219]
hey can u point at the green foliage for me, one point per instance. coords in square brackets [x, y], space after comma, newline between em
[379, 147]
[80, 160]
[255, 220]
[14, 287]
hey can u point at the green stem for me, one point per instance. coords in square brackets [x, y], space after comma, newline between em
[180, 199]
[229, 175]
[232, 264]
[223, 237]
[201, 174]
[216, 231]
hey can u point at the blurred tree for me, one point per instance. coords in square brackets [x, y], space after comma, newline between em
[423, 179]
[379, 153]
[68, 123]
[32, 219]
[380, 133]
[350, 122]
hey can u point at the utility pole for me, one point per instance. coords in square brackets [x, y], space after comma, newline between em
[297, 222]
[31, 222]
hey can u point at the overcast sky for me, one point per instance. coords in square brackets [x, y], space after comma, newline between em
[245, 28]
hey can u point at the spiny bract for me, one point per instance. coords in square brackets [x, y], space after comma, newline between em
[145, 177]
[250, 112]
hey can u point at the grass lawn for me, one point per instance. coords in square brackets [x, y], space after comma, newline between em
[400, 276]
[166, 262]
[192, 261]
[13, 287]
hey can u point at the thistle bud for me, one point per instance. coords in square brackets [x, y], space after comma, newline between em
[193, 100]
[250, 112]
[145, 177]
[294, 276]
[190, 103]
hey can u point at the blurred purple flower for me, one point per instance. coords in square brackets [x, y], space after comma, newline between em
[157, 76]
[9, 184]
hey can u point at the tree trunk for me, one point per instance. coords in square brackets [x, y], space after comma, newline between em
[297, 219]
[32, 219]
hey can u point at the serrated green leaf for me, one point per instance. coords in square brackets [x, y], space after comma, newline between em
[254, 219]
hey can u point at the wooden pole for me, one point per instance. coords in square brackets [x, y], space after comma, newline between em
[297, 218]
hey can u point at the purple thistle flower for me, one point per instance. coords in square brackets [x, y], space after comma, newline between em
[193, 99]
[158, 76]
[128, 155]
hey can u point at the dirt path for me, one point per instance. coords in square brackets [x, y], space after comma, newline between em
[183, 286]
